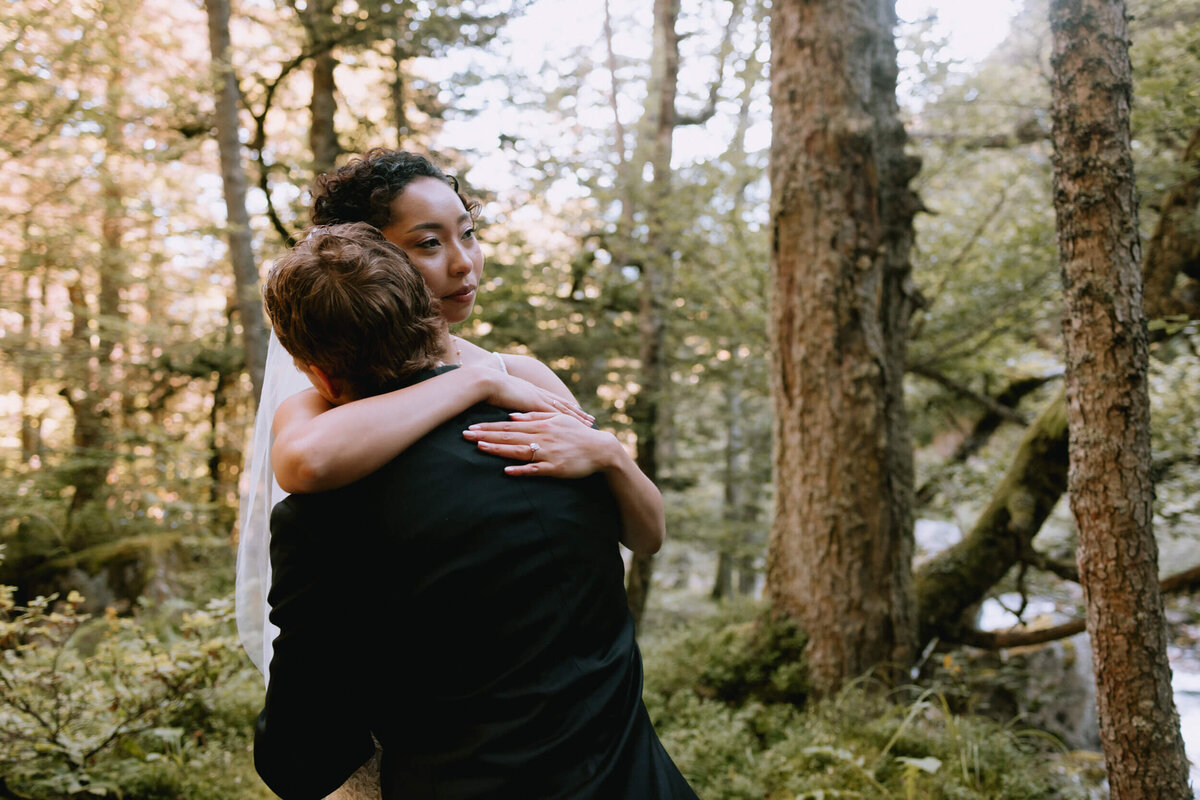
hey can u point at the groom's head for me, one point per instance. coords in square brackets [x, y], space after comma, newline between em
[352, 311]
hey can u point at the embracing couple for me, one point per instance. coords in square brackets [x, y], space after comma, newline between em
[446, 594]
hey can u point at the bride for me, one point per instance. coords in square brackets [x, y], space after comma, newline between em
[302, 444]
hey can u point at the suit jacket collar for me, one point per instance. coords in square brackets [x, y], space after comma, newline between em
[417, 377]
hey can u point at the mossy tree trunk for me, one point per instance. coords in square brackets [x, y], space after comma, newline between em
[840, 555]
[1108, 405]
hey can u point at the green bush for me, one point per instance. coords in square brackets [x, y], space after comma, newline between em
[139, 706]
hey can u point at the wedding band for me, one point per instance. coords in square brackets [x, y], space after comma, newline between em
[533, 448]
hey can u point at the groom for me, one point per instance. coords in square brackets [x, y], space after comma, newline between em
[473, 624]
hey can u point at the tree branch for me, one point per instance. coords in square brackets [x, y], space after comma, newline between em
[1188, 580]
[987, 424]
[613, 90]
[714, 87]
[1063, 569]
[1026, 131]
[992, 406]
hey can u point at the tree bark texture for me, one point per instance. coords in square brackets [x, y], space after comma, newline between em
[322, 133]
[840, 556]
[233, 178]
[1108, 408]
[656, 136]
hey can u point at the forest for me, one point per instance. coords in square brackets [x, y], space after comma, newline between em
[909, 342]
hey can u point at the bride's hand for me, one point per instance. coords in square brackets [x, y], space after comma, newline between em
[520, 395]
[563, 446]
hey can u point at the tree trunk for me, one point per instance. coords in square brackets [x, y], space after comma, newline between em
[322, 133]
[840, 556]
[733, 502]
[90, 460]
[655, 139]
[1174, 250]
[1108, 407]
[27, 362]
[91, 400]
[397, 95]
[233, 177]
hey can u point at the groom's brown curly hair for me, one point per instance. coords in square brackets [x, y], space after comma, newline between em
[347, 300]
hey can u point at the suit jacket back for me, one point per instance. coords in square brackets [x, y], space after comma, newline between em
[475, 623]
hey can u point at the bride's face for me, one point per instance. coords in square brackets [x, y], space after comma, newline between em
[430, 224]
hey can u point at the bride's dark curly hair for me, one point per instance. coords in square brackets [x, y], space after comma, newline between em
[363, 189]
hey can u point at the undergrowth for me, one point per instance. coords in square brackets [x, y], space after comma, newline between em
[728, 698]
[160, 705]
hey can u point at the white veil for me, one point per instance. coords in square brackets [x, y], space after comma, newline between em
[260, 493]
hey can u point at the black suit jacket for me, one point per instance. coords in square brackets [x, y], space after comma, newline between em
[475, 623]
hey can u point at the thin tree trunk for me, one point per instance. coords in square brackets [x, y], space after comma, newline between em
[322, 133]
[398, 96]
[1108, 406]
[27, 361]
[91, 402]
[840, 556]
[233, 177]
[733, 504]
[656, 137]
[89, 458]
[1174, 249]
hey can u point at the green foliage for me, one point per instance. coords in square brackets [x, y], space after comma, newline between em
[865, 743]
[737, 661]
[1165, 51]
[1175, 418]
[148, 706]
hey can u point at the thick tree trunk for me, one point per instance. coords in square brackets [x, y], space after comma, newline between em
[840, 556]
[1108, 407]
[233, 177]
[655, 139]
